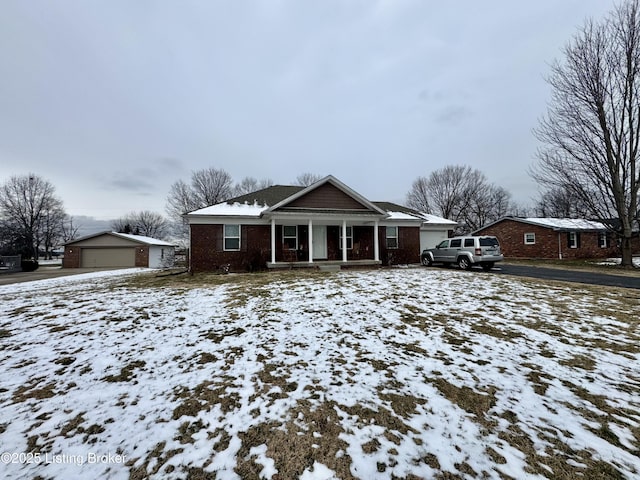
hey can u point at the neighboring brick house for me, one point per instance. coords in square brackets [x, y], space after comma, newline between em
[292, 226]
[552, 238]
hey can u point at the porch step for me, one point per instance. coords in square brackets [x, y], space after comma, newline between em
[329, 268]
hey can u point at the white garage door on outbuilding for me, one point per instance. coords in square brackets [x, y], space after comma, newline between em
[118, 250]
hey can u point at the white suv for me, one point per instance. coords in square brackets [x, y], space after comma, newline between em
[465, 251]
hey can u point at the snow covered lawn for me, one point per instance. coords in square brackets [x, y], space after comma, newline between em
[412, 373]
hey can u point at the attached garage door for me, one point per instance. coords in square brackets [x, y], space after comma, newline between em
[429, 239]
[108, 257]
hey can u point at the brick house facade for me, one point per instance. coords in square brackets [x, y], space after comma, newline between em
[552, 238]
[286, 226]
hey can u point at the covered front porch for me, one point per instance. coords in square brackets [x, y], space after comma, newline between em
[310, 242]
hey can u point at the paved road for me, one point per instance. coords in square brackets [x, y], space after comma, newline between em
[570, 275]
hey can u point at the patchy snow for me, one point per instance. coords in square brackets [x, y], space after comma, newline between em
[617, 261]
[317, 376]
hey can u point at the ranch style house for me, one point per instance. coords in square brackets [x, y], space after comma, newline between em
[326, 224]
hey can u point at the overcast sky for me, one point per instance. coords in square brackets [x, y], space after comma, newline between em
[113, 101]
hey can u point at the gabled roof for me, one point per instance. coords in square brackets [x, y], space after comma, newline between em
[556, 224]
[285, 197]
[134, 238]
[328, 180]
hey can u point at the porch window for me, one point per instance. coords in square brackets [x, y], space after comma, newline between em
[392, 237]
[349, 238]
[290, 236]
[529, 238]
[603, 240]
[232, 238]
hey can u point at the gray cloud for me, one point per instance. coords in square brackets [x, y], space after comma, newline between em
[114, 101]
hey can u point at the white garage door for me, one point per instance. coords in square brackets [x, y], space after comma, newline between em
[108, 257]
[429, 239]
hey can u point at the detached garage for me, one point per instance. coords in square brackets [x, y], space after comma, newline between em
[117, 250]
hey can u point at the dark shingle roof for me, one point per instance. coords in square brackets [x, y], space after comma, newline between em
[267, 196]
[394, 207]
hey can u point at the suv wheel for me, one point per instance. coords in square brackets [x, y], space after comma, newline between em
[464, 263]
[426, 261]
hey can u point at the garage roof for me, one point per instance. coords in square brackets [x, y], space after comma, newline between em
[126, 236]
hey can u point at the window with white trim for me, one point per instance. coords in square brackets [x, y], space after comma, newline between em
[290, 236]
[349, 238]
[232, 238]
[529, 238]
[392, 237]
[603, 240]
[574, 240]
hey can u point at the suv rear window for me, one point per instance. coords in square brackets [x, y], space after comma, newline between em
[468, 242]
[489, 242]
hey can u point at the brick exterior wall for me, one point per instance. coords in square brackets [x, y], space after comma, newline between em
[207, 253]
[142, 256]
[408, 250]
[548, 243]
[71, 257]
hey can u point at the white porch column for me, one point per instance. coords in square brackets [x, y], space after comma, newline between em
[376, 242]
[344, 240]
[273, 240]
[310, 242]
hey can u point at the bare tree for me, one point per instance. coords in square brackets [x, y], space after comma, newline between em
[29, 204]
[459, 193]
[306, 179]
[418, 196]
[591, 133]
[250, 185]
[145, 223]
[487, 204]
[561, 203]
[69, 229]
[207, 187]
[51, 226]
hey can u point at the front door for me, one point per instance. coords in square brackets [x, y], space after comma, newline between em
[319, 242]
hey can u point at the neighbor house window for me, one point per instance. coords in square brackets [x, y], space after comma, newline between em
[349, 238]
[574, 240]
[232, 237]
[392, 237]
[529, 238]
[603, 240]
[290, 236]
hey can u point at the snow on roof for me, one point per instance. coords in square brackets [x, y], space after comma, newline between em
[234, 209]
[401, 216]
[143, 239]
[567, 223]
[135, 238]
[437, 220]
[425, 217]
